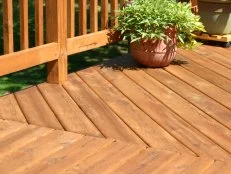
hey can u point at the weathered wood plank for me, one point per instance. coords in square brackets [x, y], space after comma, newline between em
[35, 108]
[98, 112]
[10, 110]
[138, 121]
[67, 111]
[181, 130]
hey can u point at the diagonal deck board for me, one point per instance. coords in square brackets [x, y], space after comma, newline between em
[10, 110]
[140, 122]
[181, 130]
[67, 111]
[197, 98]
[202, 85]
[100, 114]
[205, 73]
[214, 56]
[35, 108]
[56, 151]
[182, 110]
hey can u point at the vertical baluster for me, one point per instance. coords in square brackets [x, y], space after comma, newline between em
[82, 17]
[8, 26]
[24, 44]
[94, 15]
[39, 38]
[104, 14]
[70, 18]
[114, 7]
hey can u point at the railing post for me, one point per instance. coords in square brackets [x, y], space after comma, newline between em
[56, 31]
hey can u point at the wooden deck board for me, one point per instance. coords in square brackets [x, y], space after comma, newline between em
[204, 86]
[69, 114]
[197, 98]
[214, 56]
[205, 73]
[100, 114]
[137, 120]
[35, 108]
[10, 110]
[182, 111]
[181, 130]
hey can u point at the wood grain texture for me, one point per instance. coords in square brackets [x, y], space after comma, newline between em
[211, 54]
[205, 73]
[17, 61]
[202, 85]
[39, 26]
[24, 39]
[133, 116]
[183, 108]
[91, 41]
[10, 109]
[197, 98]
[70, 115]
[82, 17]
[218, 68]
[181, 130]
[70, 18]
[56, 31]
[93, 16]
[35, 108]
[104, 14]
[98, 112]
[7, 6]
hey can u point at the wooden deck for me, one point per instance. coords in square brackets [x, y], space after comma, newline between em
[122, 118]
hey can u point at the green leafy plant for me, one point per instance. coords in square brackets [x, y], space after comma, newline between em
[149, 19]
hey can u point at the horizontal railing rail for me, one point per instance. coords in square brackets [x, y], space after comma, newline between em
[50, 30]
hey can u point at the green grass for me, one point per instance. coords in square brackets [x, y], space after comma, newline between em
[23, 79]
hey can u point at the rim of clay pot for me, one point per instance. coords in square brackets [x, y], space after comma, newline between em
[217, 1]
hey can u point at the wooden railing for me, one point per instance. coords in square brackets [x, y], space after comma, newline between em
[70, 27]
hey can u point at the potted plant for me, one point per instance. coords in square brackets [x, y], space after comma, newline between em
[156, 28]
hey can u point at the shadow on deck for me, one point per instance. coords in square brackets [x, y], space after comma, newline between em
[123, 118]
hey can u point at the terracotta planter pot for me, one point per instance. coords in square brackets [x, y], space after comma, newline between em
[215, 15]
[155, 53]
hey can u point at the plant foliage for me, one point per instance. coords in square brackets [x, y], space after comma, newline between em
[149, 19]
